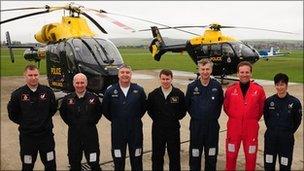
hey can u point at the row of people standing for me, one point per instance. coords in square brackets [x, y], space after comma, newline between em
[125, 103]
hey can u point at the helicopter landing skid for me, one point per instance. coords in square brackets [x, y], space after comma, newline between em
[222, 78]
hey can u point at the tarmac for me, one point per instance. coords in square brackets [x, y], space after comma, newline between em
[10, 159]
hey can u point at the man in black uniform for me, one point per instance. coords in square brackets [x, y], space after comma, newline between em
[32, 107]
[81, 111]
[204, 99]
[166, 106]
[124, 104]
[282, 115]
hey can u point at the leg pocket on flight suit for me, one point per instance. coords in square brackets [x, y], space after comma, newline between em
[252, 145]
[231, 145]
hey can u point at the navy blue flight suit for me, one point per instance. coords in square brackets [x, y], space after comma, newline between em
[82, 115]
[204, 104]
[166, 114]
[125, 114]
[33, 112]
[282, 118]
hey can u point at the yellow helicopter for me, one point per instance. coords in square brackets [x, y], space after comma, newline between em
[224, 51]
[70, 47]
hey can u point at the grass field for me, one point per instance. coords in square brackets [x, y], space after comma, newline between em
[141, 59]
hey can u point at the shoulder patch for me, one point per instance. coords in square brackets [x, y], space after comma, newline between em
[216, 81]
[138, 86]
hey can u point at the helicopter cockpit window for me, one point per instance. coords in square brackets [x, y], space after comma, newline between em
[215, 50]
[110, 50]
[83, 53]
[97, 50]
[243, 50]
[53, 53]
[205, 50]
[227, 50]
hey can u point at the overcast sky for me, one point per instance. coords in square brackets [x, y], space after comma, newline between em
[275, 15]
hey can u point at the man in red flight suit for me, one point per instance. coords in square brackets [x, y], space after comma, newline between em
[243, 104]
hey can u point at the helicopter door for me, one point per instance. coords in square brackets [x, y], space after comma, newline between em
[216, 58]
[55, 66]
[229, 59]
[71, 69]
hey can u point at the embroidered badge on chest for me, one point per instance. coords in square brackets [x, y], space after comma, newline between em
[271, 105]
[115, 93]
[42, 96]
[290, 106]
[234, 93]
[196, 91]
[255, 93]
[174, 99]
[92, 101]
[25, 97]
[71, 101]
[135, 91]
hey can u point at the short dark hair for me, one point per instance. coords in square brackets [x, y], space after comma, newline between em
[30, 67]
[125, 66]
[166, 72]
[280, 77]
[205, 61]
[244, 63]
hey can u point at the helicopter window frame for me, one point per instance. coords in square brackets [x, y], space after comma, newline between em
[54, 53]
[70, 57]
[84, 54]
[215, 50]
[205, 50]
[242, 50]
[108, 46]
[230, 51]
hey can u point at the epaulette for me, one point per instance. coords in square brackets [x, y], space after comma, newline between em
[216, 80]
[193, 81]
[138, 85]
[73, 94]
[109, 86]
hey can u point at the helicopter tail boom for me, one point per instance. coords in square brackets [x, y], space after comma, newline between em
[9, 45]
[158, 46]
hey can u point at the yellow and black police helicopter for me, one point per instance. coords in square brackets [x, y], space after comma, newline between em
[224, 51]
[70, 48]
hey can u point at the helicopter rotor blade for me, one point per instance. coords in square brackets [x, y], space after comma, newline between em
[116, 22]
[220, 27]
[48, 10]
[174, 27]
[140, 19]
[262, 29]
[51, 9]
[24, 16]
[19, 9]
[95, 22]
[99, 13]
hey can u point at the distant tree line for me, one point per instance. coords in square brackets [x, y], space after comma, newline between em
[3, 43]
[277, 44]
[257, 44]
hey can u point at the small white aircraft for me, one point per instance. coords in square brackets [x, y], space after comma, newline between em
[265, 54]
